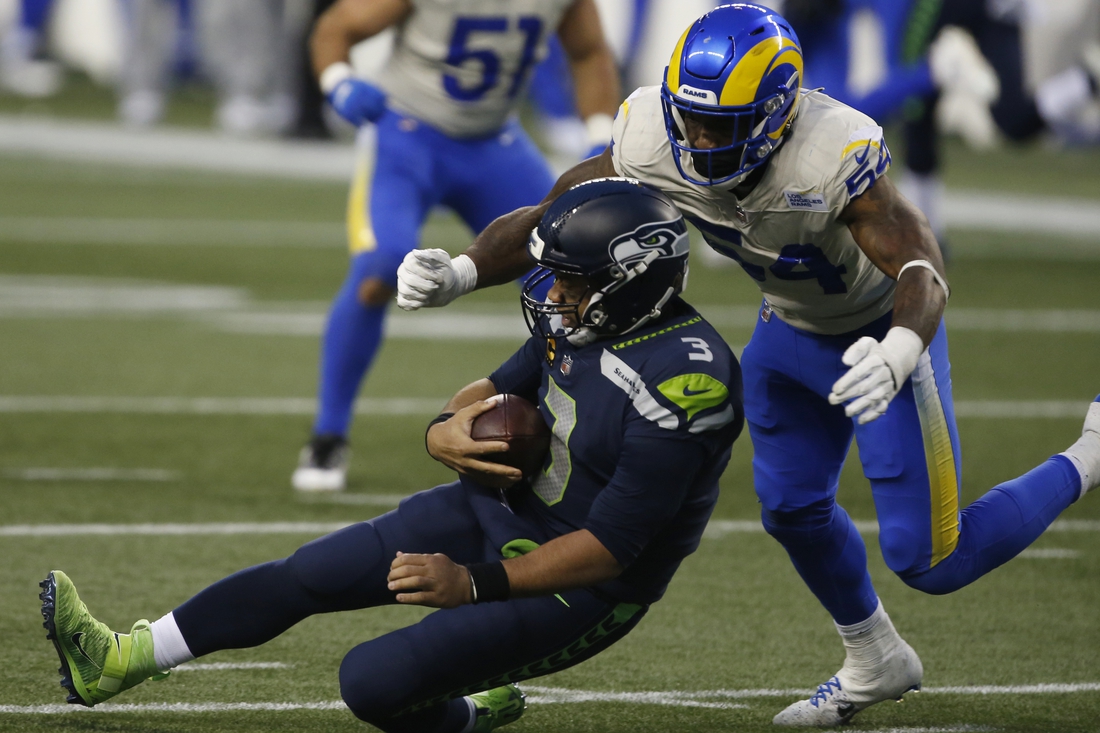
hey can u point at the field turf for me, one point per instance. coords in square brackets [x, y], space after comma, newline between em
[735, 638]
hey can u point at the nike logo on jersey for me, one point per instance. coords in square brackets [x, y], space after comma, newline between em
[689, 392]
[76, 638]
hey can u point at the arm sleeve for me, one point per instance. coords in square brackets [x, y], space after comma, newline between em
[863, 160]
[650, 483]
[522, 373]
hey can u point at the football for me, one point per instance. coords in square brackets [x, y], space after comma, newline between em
[520, 424]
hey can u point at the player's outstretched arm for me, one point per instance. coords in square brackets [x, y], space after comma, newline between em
[896, 237]
[574, 560]
[595, 76]
[449, 441]
[431, 278]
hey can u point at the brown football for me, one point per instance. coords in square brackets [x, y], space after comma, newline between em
[520, 424]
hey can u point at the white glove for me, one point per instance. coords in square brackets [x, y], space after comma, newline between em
[430, 278]
[878, 369]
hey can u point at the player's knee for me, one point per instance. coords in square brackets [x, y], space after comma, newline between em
[901, 549]
[377, 677]
[799, 525]
[374, 292]
[336, 562]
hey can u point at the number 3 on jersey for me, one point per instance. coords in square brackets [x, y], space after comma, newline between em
[460, 53]
[551, 483]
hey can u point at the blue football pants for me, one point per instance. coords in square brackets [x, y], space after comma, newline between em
[410, 679]
[413, 168]
[911, 457]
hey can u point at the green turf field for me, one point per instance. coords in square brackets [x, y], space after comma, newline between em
[166, 379]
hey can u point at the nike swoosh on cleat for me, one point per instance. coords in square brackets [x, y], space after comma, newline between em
[80, 648]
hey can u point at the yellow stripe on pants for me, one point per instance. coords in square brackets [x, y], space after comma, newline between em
[940, 455]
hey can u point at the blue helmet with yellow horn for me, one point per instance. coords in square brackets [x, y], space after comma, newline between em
[736, 72]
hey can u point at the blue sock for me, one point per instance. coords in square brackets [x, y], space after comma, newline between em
[352, 337]
[35, 14]
[1001, 524]
[829, 554]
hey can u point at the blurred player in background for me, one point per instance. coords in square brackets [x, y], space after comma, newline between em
[438, 129]
[957, 66]
[850, 341]
[644, 401]
[22, 72]
[248, 48]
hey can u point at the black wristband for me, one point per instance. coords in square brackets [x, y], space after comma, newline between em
[490, 580]
[441, 417]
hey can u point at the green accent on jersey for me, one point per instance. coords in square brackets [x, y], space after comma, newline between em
[519, 548]
[655, 334]
[694, 392]
[599, 636]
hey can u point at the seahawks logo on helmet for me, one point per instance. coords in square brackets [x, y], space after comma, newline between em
[629, 249]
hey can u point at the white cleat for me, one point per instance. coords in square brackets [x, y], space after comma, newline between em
[322, 465]
[855, 688]
[1085, 453]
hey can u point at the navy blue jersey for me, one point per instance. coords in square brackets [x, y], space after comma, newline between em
[641, 431]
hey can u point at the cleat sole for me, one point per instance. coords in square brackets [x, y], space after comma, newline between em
[49, 599]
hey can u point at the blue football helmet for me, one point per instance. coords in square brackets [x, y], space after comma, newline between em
[627, 240]
[736, 71]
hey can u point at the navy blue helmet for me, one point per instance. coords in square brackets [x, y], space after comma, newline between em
[627, 240]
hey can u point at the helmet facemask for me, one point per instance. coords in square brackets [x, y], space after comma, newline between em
[754, 132]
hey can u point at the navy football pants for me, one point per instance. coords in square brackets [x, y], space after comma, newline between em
[410, 679]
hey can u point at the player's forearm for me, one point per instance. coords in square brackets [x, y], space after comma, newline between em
[892, 233]
[347, 23]
[500, 252]
[574, 560]
[596, 84]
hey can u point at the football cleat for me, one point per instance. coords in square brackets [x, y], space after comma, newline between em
[497, 707]
[322, 465]
[96, 663]
[854, 688]
[1085, 453]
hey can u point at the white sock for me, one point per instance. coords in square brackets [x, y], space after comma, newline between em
[1085, 453]
[473, 716]
[169, 648]
[868, 641]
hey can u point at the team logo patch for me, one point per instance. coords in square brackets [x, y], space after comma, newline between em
[808, 201]
[699, 95]
[660, 236]
[566, 364]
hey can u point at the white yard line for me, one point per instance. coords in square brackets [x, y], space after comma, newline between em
[92, 474]
[998, 409]
[233, 310]
[203, 150]
[716, 528]
[561, 695]
[171, 232]
[1049, 553]
[215, 405]
[229, 666]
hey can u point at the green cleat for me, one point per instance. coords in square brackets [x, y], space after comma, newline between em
[96, 663]
[497, 707]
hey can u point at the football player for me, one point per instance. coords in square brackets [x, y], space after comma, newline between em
[441, 131]
[643, 401]
[850, 339]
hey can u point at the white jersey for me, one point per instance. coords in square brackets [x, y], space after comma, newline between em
[786, 233]
[462, 65]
